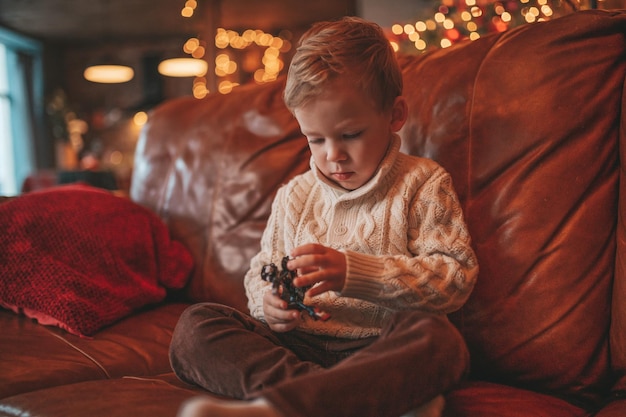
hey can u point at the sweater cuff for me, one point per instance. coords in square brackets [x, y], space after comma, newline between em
[363, 276]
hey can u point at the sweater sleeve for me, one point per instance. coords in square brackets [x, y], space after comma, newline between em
[440, 272]
[272, 250]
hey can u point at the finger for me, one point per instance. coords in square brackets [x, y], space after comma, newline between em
[278, 310]
[312, 278]
[284, 327]
[309, 279]
[320, 289]
[307, 249]
[277, 307]
[309, 262]
[284, 317]
[308, 270]
[276, 302]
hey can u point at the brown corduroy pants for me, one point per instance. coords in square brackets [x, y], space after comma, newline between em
[417, 357]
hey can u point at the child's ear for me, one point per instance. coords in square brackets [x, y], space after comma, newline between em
[399, 113]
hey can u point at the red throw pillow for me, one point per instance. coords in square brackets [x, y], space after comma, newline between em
[82, 258]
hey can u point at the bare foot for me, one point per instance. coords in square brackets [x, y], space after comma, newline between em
[212, 407]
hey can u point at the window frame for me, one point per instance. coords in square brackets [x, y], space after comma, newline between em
[24, 152]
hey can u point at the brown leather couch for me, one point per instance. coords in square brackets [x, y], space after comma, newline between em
[532, 126]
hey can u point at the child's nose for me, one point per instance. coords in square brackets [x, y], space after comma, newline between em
[335, 153]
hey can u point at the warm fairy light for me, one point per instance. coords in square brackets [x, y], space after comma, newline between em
[268, 69]
[199, 88]
[226, 87]
[272, 52]
[277, 43]
[191, 45]
[249, 36]
[221, 39]
[190, 7]
[198, 52]
[140, 118]
[224, 66]
[457, 20]
[272, 64]
[116, 157]
[186, 12]
[498, 24]
[265, 39]
[476, 11]
[453, 35]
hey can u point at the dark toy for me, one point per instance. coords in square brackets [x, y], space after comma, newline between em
[282, 285]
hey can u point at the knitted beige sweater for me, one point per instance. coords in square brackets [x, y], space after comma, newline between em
[403, 234]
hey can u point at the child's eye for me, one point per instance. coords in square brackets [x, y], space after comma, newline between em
[316, 141]
[352, 135]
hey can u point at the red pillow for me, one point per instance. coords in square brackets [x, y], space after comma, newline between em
[82, 258]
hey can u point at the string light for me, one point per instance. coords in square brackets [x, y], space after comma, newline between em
[266, 70]
[459, 20]
[226, 67]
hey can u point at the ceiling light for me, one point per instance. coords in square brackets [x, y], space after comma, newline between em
[183, 67]
[109, 74]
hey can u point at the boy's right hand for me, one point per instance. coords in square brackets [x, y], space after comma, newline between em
[276, 314]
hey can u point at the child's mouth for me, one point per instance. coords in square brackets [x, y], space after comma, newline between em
[342, 176]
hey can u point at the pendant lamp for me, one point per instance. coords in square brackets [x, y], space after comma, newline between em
[183, 67]
[108, 73]
[107, 70]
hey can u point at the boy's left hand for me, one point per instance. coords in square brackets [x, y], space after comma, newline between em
[318, 264]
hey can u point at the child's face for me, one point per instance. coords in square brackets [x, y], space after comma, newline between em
[348, 135]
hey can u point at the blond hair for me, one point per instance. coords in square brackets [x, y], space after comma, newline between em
[351, 46]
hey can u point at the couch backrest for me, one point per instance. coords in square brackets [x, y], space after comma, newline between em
[528, 124]
[211, 168]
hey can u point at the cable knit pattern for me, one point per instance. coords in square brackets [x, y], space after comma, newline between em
[403, 233]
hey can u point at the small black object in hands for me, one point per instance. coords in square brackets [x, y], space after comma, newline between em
[282, 285]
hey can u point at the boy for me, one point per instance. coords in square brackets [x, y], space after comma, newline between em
[377, 236]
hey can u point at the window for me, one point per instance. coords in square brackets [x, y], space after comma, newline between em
[7, 171]
[21, 109]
